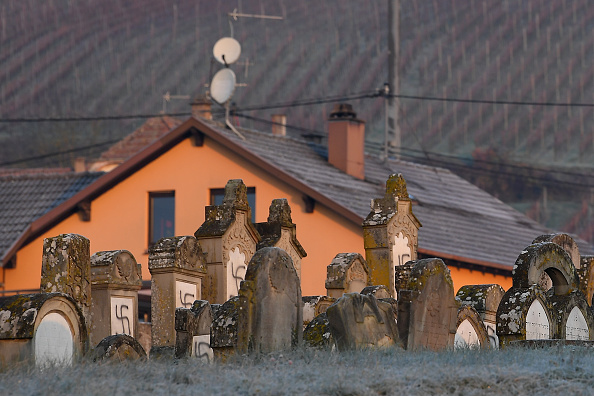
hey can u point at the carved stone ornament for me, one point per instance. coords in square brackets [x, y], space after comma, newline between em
[115, 267]
[183, 252]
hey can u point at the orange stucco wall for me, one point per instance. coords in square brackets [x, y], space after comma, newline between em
[463, 276]
[119, 217]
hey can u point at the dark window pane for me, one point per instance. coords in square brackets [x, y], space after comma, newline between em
[162, 216]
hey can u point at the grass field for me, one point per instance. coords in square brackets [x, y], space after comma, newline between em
[559, 371]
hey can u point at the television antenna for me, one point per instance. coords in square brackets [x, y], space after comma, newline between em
[235, 14]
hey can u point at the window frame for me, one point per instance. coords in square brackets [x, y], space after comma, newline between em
[151, 219]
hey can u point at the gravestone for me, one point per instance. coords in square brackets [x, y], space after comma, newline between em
[485, 300]
[177, 273]
[280, 231]
[271, 314]
[45, 328]
[390, 233]
[379, 291]
[314, 306]
[116, 279]
[118, 347]
[66, 268]
[470, 329]
[317, 333]
[528, 312]
[347, 273]
[427, 309]
[586, 278]
[192, 328]
[229, 240]
[361, 321]
[224, 328]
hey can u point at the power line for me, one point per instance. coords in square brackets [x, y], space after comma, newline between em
[497, 102]
[73, 150]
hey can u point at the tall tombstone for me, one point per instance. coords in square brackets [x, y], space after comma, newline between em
[485, 300]
[116, 278]
[66, 268]
[229, 239]
[528, 312]
[280, 231]
[390, 233]
[271, 312]
[427, 309]
[177, 273]
[586, 277]
[347, 273]
[361, 321]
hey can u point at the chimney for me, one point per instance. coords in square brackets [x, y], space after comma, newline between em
[201, 107]
[346, 141]
[80, 165]
[279, 125]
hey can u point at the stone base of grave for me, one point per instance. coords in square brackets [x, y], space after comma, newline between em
[118, 347]
[144, 335]
[223, 353]
[550, 343]
[162, 352]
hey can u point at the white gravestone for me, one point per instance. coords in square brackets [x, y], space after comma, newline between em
[576, 327]
[236, 268]
[201, 348]
[466, 336]
[53, 341]
[185, 294]
[122, 315]
[537, 322]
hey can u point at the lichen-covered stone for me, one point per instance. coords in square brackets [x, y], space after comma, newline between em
[561, 307]
[468, 313]
[586, 278]
[361, 321]
[317, 333]
[379, 291]
[115, 267]
[191, 322]
[484, 298]
[271, 315]
[118, 347]
[314, 306]
[223, 332]
[347, 273]
[183, 252]
[566, 242]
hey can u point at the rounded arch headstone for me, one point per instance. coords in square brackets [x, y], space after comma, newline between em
[538, 325]
[576, 326]
[470, 329]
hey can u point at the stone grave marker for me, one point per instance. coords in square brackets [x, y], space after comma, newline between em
[361, 321]
[314, 306]
[192, 327]
[528, 312]
[177, 269]
[427, 309]
[485, 300]
[66, 268]
[280, 231]
[379, 291]
[118, 347]
[317, 333]
[224, 328]
[45, 328]
[347, 273]
[390, 233]
[586, 278]
[470, 329]
[229, 240]
[271, 314]
[116, 279]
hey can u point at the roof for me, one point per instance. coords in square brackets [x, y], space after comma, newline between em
[25, 198]
[460, 221]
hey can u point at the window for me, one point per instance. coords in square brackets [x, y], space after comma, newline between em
[161, 215]
[217, 195]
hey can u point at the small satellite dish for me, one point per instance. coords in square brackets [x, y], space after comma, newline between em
[222, 85]
[226, 50]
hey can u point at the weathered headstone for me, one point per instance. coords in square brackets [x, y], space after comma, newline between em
[224, 328]
[361, 321]
[229, 240]
[46, 328]
[527, 312]
[379, 291]
[317, 333]
[118, 347]
[485, 299]
[271, 314]
[177, 269]
[568, 244]
[427, 309]
[586, 278]
[116, 279]
[390, 233]
[314, 306]
[470, 329]
[280, 231]
[66, 268]
[347, 273]
[192, 327]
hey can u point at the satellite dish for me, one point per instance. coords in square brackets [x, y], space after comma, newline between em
[222, 85]
[227, 50]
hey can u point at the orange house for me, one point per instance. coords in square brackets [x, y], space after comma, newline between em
[164, 188]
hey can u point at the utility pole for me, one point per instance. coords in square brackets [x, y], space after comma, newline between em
[393, 124]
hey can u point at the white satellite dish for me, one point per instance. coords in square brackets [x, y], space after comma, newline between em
[227, 50]
[222, 85]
